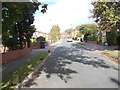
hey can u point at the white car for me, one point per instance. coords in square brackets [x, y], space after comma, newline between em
[69, 39]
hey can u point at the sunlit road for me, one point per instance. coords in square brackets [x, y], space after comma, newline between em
[72, 66]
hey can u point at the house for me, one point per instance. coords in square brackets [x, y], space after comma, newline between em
[65, 34]
[75, 32]
[38, 34]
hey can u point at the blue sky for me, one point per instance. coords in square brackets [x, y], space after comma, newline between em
[66, 13]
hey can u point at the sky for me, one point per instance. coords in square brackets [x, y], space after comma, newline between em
[66, 13]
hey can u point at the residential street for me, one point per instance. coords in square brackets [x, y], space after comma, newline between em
[72, 66]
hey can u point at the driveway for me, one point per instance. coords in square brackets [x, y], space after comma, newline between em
[72, 66]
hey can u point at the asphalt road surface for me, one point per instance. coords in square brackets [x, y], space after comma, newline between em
[72, 66]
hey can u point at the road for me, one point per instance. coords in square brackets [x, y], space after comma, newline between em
[72, 66]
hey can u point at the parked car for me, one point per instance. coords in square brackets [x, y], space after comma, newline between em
[69, 39]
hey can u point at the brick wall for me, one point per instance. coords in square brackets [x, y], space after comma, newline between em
[9, 56]
[95, 42]
[37, 46]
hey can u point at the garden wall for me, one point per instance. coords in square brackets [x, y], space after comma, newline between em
[95, 42]
[11, 55]
[37, 46]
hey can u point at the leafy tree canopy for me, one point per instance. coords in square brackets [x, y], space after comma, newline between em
[87, 28]
[55, 32]
[17, 18]
[69, 30]
[107, 15]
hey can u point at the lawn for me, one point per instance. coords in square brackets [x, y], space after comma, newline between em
[114, 55]
[111, 53]
[22, 72]
[56, 45]
[81, 43]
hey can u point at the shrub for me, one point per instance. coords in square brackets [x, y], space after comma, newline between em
[92, 37]
[40, 38]
[111, 38]
[118, 39]
[79, 35]
[103, 40]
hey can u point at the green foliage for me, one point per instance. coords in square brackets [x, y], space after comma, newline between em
[22, 71]
[81, 43]
[88, 28]
[103, 40]
[79, 35]
[55, 33]
[85, 37]
[69, 30]
[78, 27]
[107, 15]
[40, 38]
[111, 38]
[111, 53]
[17, 18]
[92, 37]
[118, 39]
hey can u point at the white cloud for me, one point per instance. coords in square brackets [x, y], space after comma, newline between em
[65, 13]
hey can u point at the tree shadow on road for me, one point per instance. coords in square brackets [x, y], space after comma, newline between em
[115, 81]
[94, 47]
[56, 64]
[64, 56]
[91, 60]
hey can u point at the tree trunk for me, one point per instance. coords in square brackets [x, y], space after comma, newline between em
[4, 49]
[28, 43]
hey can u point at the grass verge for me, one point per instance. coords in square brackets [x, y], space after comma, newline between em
[57, 44]
[111, 53]
[81, 43]
[114, 55]
[22, 72]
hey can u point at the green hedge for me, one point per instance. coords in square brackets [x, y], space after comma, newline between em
[111, 38]
[92, 37]
[40, 38]
[118, 39]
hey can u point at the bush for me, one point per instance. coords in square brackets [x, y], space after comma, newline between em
[92, 37]
[111, 38]
[79, 35]
[85, 37]
[118, 39]
[40, 38]
[103, 40]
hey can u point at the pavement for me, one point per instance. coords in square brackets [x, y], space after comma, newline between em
[13, 65]
[73, 66]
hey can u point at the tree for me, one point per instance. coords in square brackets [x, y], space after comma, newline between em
[79, 35]
[16, 22]
[107, 15]
[88, 28]
[78, 27]
[69, 30]
[55, 33]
